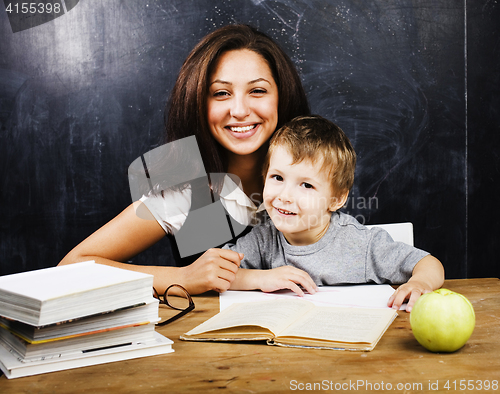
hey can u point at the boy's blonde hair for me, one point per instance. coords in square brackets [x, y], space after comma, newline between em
[317, 139]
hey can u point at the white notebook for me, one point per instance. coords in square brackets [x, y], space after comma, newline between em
[62, 293]
[13, 367]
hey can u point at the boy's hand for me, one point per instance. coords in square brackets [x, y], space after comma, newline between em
[269, 280]
[410, 291]
[287, 277]
[428, 275]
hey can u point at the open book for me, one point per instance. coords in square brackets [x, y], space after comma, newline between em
[297, 323]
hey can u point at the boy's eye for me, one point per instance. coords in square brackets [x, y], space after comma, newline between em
[307, 185]
[278, 178]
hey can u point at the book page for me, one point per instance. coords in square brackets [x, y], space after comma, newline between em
[342, 324]
[360, 296]
[273, 315]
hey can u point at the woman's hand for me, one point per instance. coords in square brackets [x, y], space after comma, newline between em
[214, 270]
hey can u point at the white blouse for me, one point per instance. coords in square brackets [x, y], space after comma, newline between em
[171, 208]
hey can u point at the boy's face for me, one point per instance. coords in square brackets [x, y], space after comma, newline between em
[299, 198]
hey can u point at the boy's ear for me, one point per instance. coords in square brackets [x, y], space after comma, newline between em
[338, 202]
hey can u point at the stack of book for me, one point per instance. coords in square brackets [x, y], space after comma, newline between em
[76, 315]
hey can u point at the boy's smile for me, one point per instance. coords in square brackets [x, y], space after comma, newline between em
[299, 198]
[284, 212]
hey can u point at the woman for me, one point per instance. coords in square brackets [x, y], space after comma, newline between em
[233, 91]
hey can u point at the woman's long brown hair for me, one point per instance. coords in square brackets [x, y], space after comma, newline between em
[187, 105]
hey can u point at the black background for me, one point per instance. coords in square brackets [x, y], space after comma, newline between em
[414, 84]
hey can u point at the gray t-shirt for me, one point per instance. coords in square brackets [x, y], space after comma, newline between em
[348, 253]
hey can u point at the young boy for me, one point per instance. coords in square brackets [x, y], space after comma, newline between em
[308, 173]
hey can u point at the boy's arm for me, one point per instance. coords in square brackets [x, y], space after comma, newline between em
[428, 275]
[285, 277]
[257, 275]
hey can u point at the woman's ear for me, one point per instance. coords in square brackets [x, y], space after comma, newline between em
[338, 202]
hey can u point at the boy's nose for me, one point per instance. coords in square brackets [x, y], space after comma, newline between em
[285, 195]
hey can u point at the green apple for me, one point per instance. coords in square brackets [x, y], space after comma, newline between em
[442, 321]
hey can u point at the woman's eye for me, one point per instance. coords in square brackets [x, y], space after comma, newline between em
[259, 91]
[221, 94]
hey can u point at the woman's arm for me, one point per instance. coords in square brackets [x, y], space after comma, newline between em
[427, 276]
[133, 231]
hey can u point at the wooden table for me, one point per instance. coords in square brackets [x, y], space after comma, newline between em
[397, 364]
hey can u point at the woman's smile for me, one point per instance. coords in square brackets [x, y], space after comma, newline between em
[241, 129]
[242, 132]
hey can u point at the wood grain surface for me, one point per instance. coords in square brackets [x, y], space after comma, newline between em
[397, 364]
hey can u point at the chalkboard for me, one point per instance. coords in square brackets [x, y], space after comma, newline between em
[83, 95]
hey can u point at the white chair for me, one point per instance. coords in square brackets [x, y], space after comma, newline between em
[402, 232]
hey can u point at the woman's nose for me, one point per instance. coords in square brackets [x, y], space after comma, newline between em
[240, 108]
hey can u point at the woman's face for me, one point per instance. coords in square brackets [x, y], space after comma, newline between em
[242, 102]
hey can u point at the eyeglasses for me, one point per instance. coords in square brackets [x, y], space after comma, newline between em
[183, 303]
